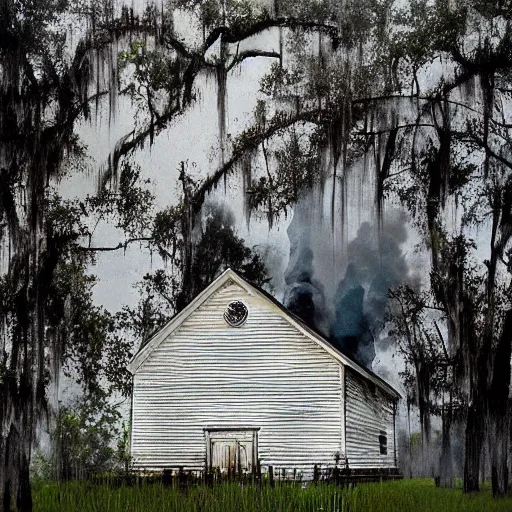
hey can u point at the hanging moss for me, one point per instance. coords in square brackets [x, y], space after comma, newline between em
[328, 100]
[44, 89]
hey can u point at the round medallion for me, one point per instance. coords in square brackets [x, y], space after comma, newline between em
[236, 313]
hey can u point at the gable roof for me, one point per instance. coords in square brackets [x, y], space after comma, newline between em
[230, 275]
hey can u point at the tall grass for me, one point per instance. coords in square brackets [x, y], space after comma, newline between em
[398, 496]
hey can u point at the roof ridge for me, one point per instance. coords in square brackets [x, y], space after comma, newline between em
[296, 319]
[312, 329]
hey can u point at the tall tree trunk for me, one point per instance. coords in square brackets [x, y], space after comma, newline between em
[18, 395]
[448, 262]
[423, 387]
[499, 416]
[477, 408]
[23, 376]
[15, 484]
[473, 445]
[187, 226]
[409, 436]
[446, 462]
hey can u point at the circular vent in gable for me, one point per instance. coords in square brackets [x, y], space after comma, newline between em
[236, 313]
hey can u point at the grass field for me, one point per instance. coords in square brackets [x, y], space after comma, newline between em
[406, 496]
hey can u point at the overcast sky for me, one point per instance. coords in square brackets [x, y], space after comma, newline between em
[194, 138]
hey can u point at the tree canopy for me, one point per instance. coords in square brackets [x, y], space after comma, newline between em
[418, 95]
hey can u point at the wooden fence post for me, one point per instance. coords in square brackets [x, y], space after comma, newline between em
[316, 474]
[182, 478]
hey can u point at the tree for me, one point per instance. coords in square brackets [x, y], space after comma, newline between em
[428, 376]
[163, 295]
[337, 98]
[46, 88]
[44, 91]
[84, 433]
[458, 159]
[439, 147]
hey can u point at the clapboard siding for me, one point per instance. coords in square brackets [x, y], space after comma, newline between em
[265, 374]
[368, 412]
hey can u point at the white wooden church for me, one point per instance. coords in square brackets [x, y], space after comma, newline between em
[235, 378]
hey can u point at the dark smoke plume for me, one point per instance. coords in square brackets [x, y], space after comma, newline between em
[350, 327]
[376, 264]
[304, 295]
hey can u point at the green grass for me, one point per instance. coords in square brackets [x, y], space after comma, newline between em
[406, 496]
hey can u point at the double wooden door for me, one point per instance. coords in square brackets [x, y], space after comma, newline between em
[232, 450]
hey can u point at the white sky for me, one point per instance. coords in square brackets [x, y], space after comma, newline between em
[194, 137]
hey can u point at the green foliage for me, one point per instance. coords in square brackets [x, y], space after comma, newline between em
[415, 440]
[412, 324]
[84, 435]
[424, 30]
[209, 11]
[86, 335]
[36, 24]
[318, 10]
[296, 168]
[86, 338]
[149, 74]
[238, 15]
[87, 442]
[217, 248]
[127, 204]
[123, 453]
[41, 468]
[65, 219]
[400, 496]
[157, 303]
[280, 80]
[168, 232]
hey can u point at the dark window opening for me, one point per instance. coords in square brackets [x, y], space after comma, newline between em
[236, 313]
[383, 442]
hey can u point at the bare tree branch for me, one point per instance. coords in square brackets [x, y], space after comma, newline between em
[120, 245]
[252, 142]
[234, 35]
[250, 54]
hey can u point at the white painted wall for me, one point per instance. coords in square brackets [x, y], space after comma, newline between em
[368, 412]
[264, 374]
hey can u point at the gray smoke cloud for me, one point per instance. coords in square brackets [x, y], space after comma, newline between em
[304, 295]
[353, 316]
[376, 264]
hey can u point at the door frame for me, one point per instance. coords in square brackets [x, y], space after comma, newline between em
[211, 433]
